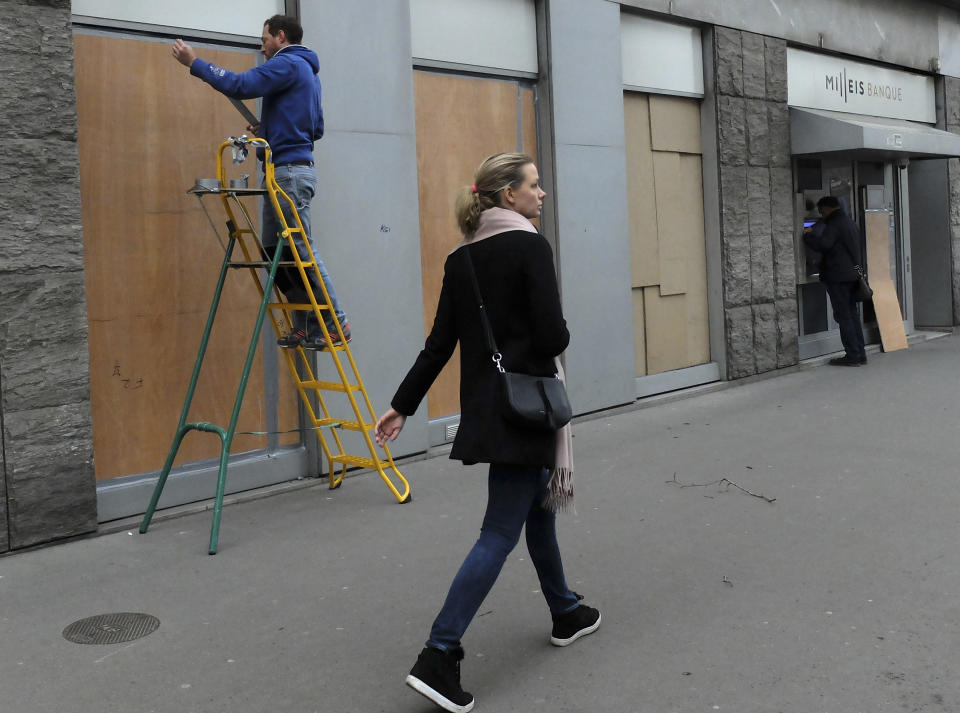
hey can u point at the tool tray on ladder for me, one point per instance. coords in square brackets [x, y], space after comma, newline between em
[272, 304]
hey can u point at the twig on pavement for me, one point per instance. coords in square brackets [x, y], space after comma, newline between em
[725, 483]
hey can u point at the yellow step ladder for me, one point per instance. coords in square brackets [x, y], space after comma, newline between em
[256, 261]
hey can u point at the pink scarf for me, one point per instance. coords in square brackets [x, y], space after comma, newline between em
[494, 221]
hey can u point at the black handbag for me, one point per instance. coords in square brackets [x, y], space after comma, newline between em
[538, 403]
[862, 292]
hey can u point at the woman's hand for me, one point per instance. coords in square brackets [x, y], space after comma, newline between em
[389, 426]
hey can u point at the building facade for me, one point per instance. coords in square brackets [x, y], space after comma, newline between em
[681, 144]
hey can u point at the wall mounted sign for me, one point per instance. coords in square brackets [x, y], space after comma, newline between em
[818, 81]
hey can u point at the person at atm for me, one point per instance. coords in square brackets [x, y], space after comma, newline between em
[836, 237]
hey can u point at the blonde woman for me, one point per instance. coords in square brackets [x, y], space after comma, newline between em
[527, 479]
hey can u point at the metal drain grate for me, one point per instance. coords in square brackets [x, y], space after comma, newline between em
[111, 628]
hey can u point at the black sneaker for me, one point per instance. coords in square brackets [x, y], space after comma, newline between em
[292, 340]
[317, 341]
[847, 361]
[436, 675]
[569, 627]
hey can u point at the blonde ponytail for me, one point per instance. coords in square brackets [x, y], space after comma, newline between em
[494, 174]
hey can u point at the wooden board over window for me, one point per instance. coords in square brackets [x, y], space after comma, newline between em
[460, 121]
[667, 249]
[147, 131]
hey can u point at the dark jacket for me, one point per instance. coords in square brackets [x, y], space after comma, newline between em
[837, 239]
[292, 117]
[519, 287]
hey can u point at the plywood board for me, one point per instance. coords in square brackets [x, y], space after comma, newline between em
[893, 336]
[460, 121]
[639, 334]
[528, 127]
[151, 258]
[665, 318]
[641, 192]
[675, 124]
[673, 206]
[695, 252]
[528, 122]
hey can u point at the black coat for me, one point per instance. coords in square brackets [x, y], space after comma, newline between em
[837, 238]
[519, 288]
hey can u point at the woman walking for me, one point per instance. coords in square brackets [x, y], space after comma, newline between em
[530, 471]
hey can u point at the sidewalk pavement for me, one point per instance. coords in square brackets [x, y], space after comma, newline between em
[839, 596]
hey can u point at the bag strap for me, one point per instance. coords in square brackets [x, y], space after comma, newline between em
[487, 329]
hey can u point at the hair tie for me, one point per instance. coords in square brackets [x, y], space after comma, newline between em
[474, 187]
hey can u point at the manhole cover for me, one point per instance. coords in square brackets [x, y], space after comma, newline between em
[111, 628]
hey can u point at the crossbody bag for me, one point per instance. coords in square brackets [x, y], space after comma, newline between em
[537, 403]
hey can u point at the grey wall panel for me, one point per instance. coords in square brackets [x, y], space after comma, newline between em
[368, 232]
[930, 244]
[878, 29]
[586, 72]
[365, 214]
[594, 257]
[593, 244]
[365, 64]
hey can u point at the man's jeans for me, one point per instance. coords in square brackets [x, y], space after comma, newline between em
[848, 318]
[515, 494]
[300, 183]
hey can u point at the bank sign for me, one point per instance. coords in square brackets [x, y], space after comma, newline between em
[817, 81]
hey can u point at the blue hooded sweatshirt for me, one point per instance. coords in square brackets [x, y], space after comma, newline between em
[292, 117]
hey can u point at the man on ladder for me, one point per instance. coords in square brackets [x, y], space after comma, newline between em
[291, 121]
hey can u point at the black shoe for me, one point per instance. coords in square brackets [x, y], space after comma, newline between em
[317, 341]
[292, 340]
[436, 675]
[847, 361]
[863, 360]
[569, 627]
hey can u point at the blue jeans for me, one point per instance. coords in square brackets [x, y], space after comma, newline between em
[848, 317]
[515, 494]
[300, 183]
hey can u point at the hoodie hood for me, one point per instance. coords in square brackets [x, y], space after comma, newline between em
[304, 53]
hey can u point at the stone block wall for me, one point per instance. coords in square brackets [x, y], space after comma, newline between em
[952, 123]
[756, 205]
[46, 482]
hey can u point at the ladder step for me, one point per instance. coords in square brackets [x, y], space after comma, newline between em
[340, 423]
[331, 422]
[330, 386]
[297, 306]
[358, 461]
[261, 263]
[199, 189]
[355, 426]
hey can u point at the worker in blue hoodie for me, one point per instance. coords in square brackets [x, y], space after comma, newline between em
[291, 120]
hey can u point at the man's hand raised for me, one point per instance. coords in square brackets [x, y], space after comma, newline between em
[183, 53]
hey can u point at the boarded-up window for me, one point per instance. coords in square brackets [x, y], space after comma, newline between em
[147, 131]
[460, 121]
[668, 256]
